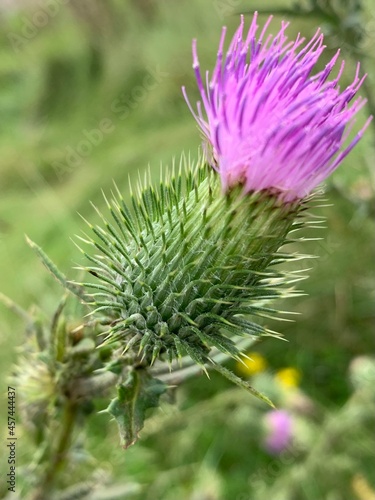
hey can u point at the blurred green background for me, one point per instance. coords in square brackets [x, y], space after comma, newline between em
[91, 93]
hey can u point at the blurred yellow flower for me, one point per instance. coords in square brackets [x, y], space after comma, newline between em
[362, 489]
[288, 377]
[256, 364]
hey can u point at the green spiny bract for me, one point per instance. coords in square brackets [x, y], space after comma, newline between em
[188, 267]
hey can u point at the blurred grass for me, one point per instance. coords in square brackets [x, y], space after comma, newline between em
[94, 61]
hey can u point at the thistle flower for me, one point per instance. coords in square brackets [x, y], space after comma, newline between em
[269, 124]
[279, 431]
[37, 387]
[188, 266]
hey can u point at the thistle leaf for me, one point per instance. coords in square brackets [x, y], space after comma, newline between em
[75, 288]
[241, 383]
[135, 396]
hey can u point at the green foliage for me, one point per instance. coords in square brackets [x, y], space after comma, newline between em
[138, 393]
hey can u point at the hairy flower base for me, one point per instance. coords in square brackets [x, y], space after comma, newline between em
[188, 268]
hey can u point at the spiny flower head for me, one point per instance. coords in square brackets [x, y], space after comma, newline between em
[188, 268]
[269, 124]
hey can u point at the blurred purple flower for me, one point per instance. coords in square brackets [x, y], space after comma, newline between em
[279, 429]
[269, 124]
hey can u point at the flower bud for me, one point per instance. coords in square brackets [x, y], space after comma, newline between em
[189, 268]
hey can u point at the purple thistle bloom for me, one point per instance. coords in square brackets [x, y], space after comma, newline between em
[279, 427]
[269, 124]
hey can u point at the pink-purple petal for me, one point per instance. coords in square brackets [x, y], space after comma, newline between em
[267, 122]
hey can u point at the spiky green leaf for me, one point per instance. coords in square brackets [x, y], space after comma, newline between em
[135, 396]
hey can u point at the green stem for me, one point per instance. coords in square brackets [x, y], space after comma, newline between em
[58, 456]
